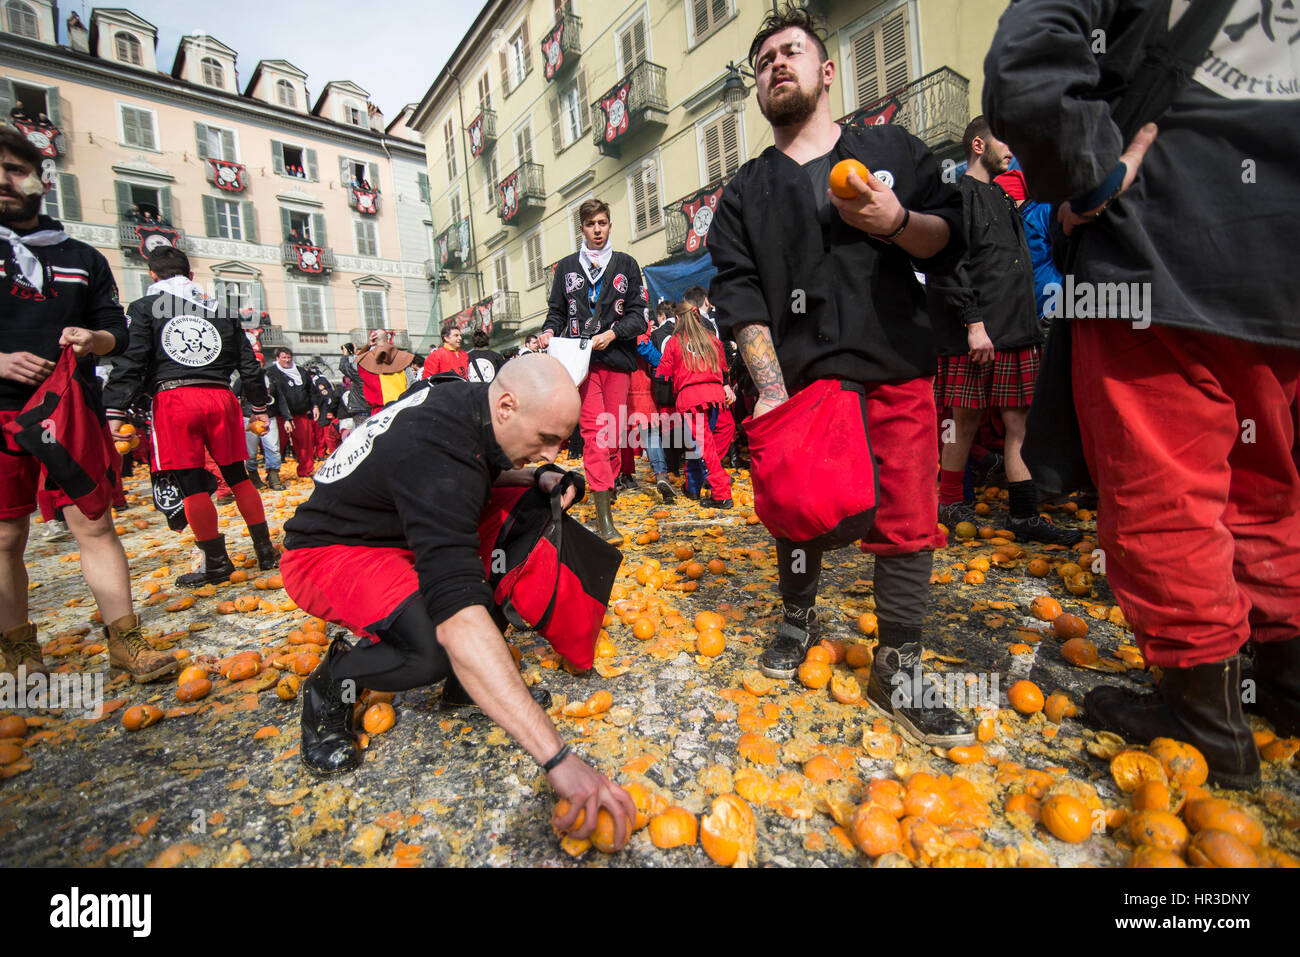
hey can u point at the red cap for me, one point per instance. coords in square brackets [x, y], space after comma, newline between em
[1013, 181]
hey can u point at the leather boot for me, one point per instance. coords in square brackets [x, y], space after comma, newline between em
[1200, 705]
[267, 556]
[328, 744]
[128, 651]
[273, 480]
[605, 519]
[256, 479]
[1277, 685]
[20, 647]
[216, 565]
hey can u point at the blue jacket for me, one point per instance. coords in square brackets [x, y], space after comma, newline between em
[1037, 218]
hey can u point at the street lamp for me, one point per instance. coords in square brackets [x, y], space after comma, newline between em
[734, 91]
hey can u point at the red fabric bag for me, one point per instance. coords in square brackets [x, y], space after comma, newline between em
[62, 427]
[546, 570]
[814, 476]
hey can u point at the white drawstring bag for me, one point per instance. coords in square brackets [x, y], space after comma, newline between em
[574, 354]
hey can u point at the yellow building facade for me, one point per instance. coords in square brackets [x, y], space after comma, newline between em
[547, 103]
[229, 171]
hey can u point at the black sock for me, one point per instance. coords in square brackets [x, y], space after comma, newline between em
[1024, 499]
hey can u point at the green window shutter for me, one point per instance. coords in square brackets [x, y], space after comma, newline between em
[209, 216]
[250, 222]
[131, 127]
[165, 204]
[557, 137]
[345, 172]
[311, 166]
[318, 230]
[6, 96]
[52, 107]
[277, 156]
[69, 197]
[285, 223]
[584, 107]
[374, 175]
[123, 193]
[423, 180]
[201, 136]
[228, 145]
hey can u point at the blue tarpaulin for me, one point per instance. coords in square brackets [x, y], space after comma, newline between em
[670, 280]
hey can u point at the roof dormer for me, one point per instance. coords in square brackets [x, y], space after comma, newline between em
[122, 37]
[29, 20]
[344, 102]
[401, 127]
[279, 83]
[206, 61]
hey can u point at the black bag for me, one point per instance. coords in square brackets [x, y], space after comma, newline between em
[661, 390]
[1053, 447]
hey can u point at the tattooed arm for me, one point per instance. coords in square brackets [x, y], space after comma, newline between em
[755, 341]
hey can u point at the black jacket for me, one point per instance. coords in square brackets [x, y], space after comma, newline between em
[174, 338]
[840, 304]
[355, 402]
[621, 305]
[1209, 221]
[290, 399]
[992, 283]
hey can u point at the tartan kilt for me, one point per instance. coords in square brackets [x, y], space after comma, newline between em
[1005, 383]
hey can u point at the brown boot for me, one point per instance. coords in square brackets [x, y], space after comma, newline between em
[20, 647]
[128, 651]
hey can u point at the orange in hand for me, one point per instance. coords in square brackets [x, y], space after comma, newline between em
[840, 178]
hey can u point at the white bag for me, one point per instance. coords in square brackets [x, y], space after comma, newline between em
[574, 353]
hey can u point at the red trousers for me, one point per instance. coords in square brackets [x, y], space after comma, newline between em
[303, 438]
[901, 423]
[712, 444]
[327, 439]
[1189, 437]
[603, 393]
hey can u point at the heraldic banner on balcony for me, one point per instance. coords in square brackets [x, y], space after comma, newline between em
[879, 115]
[476, 135]
[483, 315]
[365, 200]
[615, 106]
[226, 175]
[156, 237]
[553, 51]
[509, 195]
[699, 210]
[41, 134]
[310, 259]
[464, 318]
[444, 255]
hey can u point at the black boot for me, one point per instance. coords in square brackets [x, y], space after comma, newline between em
[256, 479]
[665, 488]
[1041, 530]
[273, 480]
[1200, 705]
[901, 689]
[605, 519]
[267, 556]
[1277, 685]
[795, 634]
[328, 744]
[216, 565]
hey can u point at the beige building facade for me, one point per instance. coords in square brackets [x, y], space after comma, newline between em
[546, 103]
[309, 210]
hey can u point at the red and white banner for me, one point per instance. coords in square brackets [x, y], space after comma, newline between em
[616, 110]
[699, 210]
[476, 135]
[155, 237]
[366, 200]
[226, 175]
[880, 115]
[41, 135]
[509, 196]
[553, 50]
[311, 259]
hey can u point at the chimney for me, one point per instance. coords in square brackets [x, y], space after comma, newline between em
[78, 36]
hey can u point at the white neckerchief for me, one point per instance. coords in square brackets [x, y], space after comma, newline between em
[28, 264]
[182, 287]
[594, 261]
[292, 373]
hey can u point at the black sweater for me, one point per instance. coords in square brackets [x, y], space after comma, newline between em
[840, 304]
[290, 399]
[622, 306]
[78, 291]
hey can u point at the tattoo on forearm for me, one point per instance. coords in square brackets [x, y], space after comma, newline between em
[755, 341]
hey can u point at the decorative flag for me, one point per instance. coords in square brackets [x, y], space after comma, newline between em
[476, 135]
[509, 193]
[310, 259]
[616, 110]
[155, 237]
[226, 175]
[699, 210]
[41, 135]
[367, 201]
[444, 255]
[483, 314]
[553, 50]
[879, 115]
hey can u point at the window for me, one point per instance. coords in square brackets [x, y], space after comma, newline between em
[433, 240]
[706, 16]
[449, 142]
[881, 57]
[240, 294]
[63, 201]
[491, 176]
[562, 7]
[353, 116]
[453, 207]
[21, 19]
[294, 161]
[311, 309]
[533, 258]
[422, 183]
[36, 100]
[721, 148]
[643, 189]
[285, 94]
[485, 91]
[145, 199]
[631, 44]
[215, 143]
[570, 113]
[294, 222]
[213, 74]
[229, 225]
[128, 49]
[501, 273]
[524, 143]
[576, 219]
[462, 293]
[516, 58]
[374, 310]
[138, 128]
[367, 237]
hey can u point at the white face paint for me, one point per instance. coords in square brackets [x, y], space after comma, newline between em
[32, 185]
[796, 45]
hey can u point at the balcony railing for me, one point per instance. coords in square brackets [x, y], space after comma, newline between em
[307, 259]
[231, 177]
[431, 270]
[143, 238]
[452, 244]
[562, 46]
[482, 131]
[637, 102]
[935, 109]
[505, 312]
[520, 190]
[687, 220]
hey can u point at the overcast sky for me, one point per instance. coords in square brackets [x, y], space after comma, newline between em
[391, 48]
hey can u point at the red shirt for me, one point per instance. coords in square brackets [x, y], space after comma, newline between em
[443, 359]
[694, 387]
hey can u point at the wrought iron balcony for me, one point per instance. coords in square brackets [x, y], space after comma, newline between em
[691, 216]
[143, 238]
[431, 270]
[935, 109]
[269, 337]
[519, 191]
[562, 46]
[636, 103]
[482, 131]
[452, 246]
[307, 259]
[505, 311]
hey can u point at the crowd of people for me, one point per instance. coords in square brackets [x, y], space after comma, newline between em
[871, 344]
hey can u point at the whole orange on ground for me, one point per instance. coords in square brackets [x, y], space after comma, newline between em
[1067, 818]
[1026, 697]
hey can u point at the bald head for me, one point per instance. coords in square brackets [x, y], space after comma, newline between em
[534, 407]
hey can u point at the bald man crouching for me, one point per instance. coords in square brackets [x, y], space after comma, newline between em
[387, 546]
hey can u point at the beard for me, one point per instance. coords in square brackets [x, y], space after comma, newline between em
[994, 166]
[29, 208]
[792, 108]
